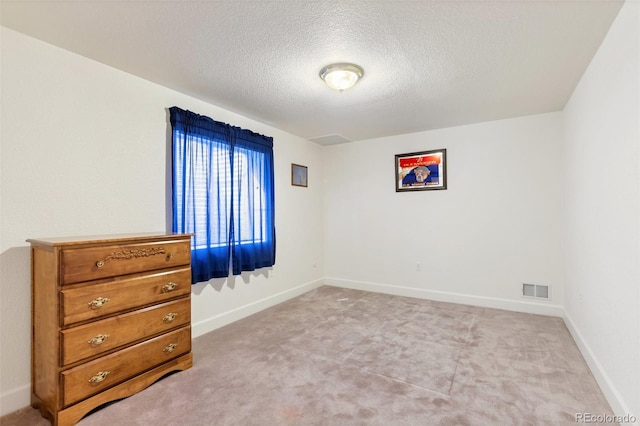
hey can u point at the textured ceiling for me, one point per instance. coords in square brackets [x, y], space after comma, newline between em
[428, 64]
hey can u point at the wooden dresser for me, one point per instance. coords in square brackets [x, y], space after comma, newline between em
[111, 315]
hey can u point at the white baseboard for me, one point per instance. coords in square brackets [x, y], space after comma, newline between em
[217, 321]
[540, 308]
[608, 389]
[15, 399]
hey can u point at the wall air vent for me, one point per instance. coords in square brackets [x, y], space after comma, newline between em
[535, 290]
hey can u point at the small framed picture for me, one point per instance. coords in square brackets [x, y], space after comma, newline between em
[298, 175]
[420, 171]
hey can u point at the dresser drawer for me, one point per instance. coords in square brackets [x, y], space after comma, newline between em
[95, 300]
[95, 376]
[93, 339]
[86, 264]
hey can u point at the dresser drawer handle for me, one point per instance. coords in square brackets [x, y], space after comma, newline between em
[98, 340]
[169, 287]
[99, 377]
[170, 348]
[169, 317]
[100, 263]
[98, 302]
[170, 256]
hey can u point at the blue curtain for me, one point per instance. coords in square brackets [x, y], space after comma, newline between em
[223, 192]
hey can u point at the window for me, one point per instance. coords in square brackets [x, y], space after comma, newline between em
[222, 182]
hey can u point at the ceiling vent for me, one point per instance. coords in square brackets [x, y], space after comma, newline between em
[535, 290]
[330, 140]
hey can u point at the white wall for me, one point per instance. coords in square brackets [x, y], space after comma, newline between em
[602, 223]
[495, 227]
[84, 152]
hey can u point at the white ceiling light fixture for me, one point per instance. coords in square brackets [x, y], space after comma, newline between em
[341, 76]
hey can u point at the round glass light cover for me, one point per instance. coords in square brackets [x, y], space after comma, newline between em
[341, 76]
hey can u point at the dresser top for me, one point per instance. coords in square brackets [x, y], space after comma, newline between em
[99, 239]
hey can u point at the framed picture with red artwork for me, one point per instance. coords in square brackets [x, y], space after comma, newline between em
[421, 171]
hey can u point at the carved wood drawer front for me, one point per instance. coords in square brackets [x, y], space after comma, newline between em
[85, 264]
[93, 339]
[95, 300]
[95, 376]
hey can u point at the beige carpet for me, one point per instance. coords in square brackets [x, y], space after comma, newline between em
[345, 357]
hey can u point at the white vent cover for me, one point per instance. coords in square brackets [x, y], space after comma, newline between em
[535, 290]
[330, 140]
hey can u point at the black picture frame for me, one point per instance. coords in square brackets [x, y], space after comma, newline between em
[299, 175]
[421, 171]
